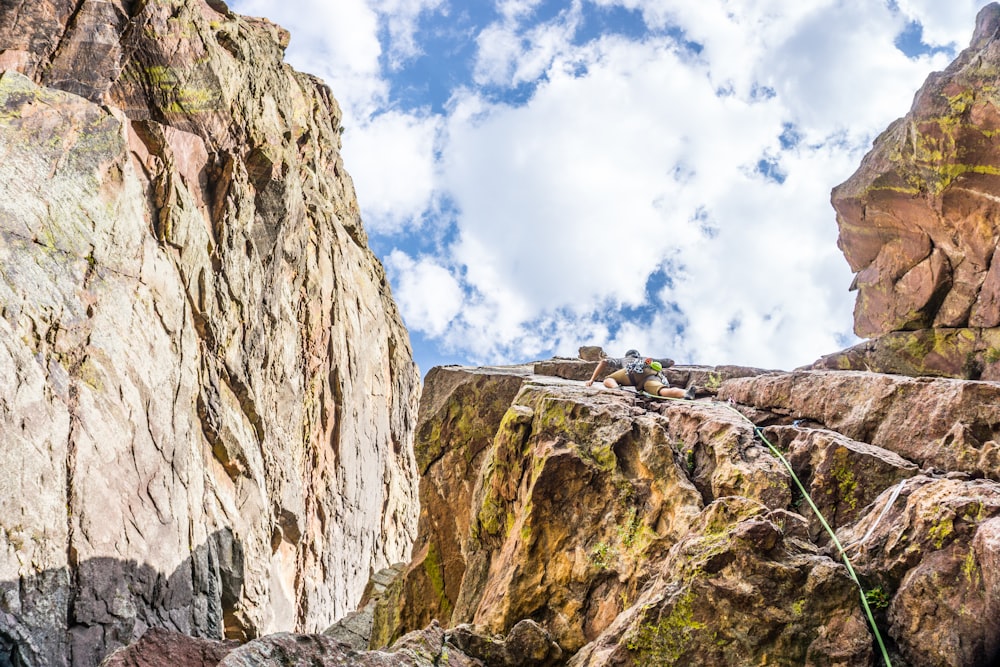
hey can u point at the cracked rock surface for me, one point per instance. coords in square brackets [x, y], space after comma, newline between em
[207, 391]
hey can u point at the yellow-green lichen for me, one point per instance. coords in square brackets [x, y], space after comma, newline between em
[665, 641]
[843, 474]
[970, 568]
[940, 531]
[434, 569]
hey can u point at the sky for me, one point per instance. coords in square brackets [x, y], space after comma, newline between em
[538, 175]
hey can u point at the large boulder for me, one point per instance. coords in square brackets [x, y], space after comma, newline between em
[208, 392]
[461, 410]
[927, 549]
[637, 531]
[919, 220]
[946, 424]
[745, 587]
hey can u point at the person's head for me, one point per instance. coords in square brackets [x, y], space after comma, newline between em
[632, 353]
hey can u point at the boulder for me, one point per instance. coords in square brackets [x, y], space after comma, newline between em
[745, 587]
[460, 412]
[163, 648]
[636, 531]
[925, 551]
[918, 220]
[576, 493]
[945, 424]
[842, 476]
[424, 648]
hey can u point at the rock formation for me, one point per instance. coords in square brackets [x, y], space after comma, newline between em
[640, 532]
[920, 222]
[207, 400]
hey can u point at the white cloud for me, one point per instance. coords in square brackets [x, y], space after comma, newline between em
[402, 20]
[943, 23]
[628, 157]
[429, 297]
[509, 55]
[392, 163]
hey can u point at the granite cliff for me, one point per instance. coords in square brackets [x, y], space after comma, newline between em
[207, 397]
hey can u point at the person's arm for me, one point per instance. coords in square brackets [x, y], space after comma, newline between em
[597, 371]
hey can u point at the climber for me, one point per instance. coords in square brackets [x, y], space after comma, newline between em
[633, 370]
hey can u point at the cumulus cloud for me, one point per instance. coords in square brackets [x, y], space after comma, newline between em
[427, 292]
[392, 162]
[402, 18]
[942, 23]
[667, 191]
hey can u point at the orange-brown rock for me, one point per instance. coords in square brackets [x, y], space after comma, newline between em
[966, 353]
[637, 531]
[919, 221]
[927, 547]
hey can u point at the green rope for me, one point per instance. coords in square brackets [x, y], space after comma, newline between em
[826, 526]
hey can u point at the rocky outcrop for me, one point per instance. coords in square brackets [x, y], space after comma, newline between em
[638, 531]
[918, 218]
[208, 394]
[918, 226]
[970, 354]
[163, 648]
[527, 645]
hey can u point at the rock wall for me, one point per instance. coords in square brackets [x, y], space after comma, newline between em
[920, 223]
[207, 394]
[637, 531]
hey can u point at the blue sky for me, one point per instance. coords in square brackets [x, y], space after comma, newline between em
[538, 175]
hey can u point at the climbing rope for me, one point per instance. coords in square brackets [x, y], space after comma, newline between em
[822, 520]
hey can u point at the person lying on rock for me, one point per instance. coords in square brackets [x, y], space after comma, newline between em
[643, 373]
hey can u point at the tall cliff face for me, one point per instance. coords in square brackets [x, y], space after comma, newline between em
[207, 395]
[637, 531]
[920, 223]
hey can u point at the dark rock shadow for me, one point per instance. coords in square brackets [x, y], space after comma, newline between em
[76, 616]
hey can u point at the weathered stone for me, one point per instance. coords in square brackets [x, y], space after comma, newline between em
[570, 369]
[924, 553]
[739, 590]
[355, 629]
[918, 220]
[842, 476]
[527, 645]
[163, 648]
[424, 648]
[957, 428]
[460, 412]
[970, 354]
[707, 379]
[207, 374]
[579, 489]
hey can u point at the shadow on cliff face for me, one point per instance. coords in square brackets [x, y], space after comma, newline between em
[77, 615]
